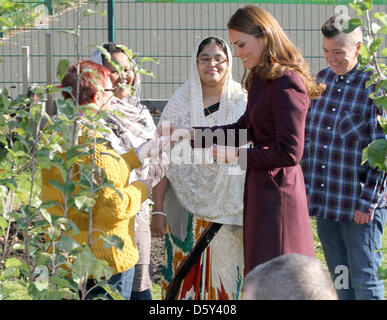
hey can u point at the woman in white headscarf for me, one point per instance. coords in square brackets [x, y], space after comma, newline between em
[133, 126]
[199, 204]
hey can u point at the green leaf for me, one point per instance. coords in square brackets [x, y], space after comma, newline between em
[374, 46]
[380, 100]
[13, 216]
[127, 51]
[15, 290]
[146, 59]
[5, 24]
[9, 183]
[357, 7]
[70, 226]
[88, 12]
[67, 244]
[74, 154]
[375, 27]
[67, 2]
[3, 191]
[353, 24]
[67, 89]
[384, 52]
[361, 6]
[53, 233]
[63, 282]
[11, 272]
[41, 275]
[46, 215]
[84, 202]
[42, 258]
[18, 246]
[102, 270]
[383, 123]
[13, 262]
[382, 17]
[3, 223]
[376, 154]
[66, 188]
[146, 73]
[73, 32]
[365, 4]
[372, 79]
[113, 292]
[62, 68]
[24, 268]
[381, 84]
[45, 158]
[83, 265]
[382, 272]
[112, 241]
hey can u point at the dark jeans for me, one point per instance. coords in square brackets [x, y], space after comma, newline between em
[141, 295]
[352, 256]
[121, 281]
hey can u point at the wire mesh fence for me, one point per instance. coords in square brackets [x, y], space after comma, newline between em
[167, 31]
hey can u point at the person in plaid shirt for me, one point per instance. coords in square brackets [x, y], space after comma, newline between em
[346, 197]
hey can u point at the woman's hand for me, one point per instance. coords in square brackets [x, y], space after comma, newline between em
[225, 154]
[182, 133]
[165, 129]
[154, 147]
[158, 225]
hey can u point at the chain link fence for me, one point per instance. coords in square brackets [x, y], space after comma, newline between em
[163, 30]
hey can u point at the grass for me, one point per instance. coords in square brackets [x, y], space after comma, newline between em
[156, 290]
[384, 263]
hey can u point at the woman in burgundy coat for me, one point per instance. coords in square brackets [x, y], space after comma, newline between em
[279, 85]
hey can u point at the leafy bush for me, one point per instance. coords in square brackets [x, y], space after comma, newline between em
[376, 152]
[39, 259]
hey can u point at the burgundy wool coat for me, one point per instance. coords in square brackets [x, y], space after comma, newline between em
[276, 219]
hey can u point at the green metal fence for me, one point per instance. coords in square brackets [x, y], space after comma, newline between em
[164, 30]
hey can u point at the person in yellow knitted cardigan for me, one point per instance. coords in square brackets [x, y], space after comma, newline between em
[112, 213]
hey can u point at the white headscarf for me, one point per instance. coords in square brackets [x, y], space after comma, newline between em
[136, 117]
[206, 190]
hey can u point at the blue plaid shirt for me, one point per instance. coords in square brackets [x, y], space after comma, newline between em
[340, 124]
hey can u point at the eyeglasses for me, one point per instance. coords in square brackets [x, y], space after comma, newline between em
[109, 89]
[206, 60]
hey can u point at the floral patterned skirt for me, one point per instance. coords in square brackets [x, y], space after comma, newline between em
[217, 274]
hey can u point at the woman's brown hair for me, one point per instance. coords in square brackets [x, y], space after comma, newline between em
[280, 54]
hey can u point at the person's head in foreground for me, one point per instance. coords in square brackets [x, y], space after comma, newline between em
[289, 277]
